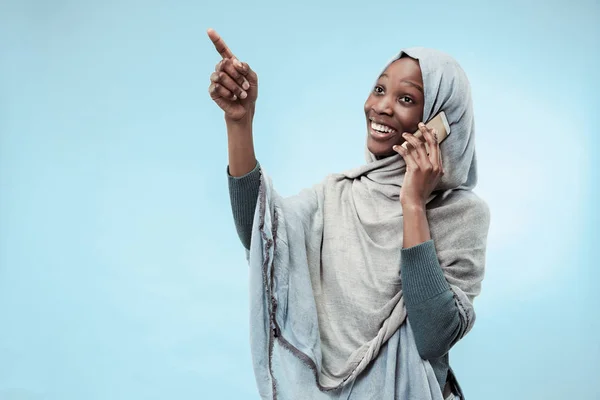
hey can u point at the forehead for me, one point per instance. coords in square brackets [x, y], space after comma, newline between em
[404, 68]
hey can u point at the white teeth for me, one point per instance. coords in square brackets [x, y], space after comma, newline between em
[381, 128]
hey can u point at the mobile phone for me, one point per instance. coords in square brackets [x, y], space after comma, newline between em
[440, 124]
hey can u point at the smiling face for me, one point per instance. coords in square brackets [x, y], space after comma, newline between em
[394, 106]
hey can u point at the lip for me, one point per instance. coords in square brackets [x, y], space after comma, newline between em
[381, 122]
[379, 136]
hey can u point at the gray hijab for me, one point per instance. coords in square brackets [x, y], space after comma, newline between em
[325, 290]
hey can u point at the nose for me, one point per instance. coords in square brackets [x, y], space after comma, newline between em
[383, 105]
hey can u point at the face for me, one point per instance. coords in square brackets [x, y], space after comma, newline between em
[394, 106]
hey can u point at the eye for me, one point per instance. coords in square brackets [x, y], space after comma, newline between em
[378, 89]
[406, 99]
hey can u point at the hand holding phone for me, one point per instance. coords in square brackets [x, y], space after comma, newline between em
[440, 124]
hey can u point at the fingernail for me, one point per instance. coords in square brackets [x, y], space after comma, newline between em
[405, 135]
[421, 125]
[238, 63]
[246, 85]
[243, 95]
[234, 97]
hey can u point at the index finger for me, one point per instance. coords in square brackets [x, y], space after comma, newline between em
[219, 44]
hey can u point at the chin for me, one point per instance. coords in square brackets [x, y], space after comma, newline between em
[380, 150]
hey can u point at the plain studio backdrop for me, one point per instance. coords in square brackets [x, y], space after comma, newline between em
[121, 273]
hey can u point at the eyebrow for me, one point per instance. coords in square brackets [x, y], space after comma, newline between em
[407, 82]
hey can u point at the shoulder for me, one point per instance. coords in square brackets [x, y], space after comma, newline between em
[461, 208]
[472, 205]
[463, 200]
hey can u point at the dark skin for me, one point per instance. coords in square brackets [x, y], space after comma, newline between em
[234, 88]
[395, 105]
[397, 102]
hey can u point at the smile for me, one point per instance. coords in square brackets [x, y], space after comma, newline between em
[380, 131]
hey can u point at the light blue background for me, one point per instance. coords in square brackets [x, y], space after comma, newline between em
[121, 274]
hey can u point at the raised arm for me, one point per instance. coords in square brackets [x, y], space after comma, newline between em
[234, 88]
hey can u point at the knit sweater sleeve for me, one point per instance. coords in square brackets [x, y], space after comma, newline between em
[243, 193]
[430, 304]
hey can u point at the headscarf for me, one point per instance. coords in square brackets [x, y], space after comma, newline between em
[325, 263]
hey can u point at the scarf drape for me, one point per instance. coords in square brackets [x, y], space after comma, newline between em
[327, 313]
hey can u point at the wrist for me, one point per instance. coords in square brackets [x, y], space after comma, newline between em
[415, 226]
[411, 205]
[239, 129]
[243, 122]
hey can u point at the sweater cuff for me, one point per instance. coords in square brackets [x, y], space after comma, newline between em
[421, 273]
[243, 192]
[249, 174]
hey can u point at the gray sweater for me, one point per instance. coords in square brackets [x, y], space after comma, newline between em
[430, 304]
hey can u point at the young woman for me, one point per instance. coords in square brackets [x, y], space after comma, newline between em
[362, 284]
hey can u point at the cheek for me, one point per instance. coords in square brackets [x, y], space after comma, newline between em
[409, 117]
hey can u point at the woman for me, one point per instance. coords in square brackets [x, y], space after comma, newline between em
[361, 284]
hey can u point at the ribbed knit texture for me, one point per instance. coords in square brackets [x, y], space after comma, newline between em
[422, 276]
[243, 193]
